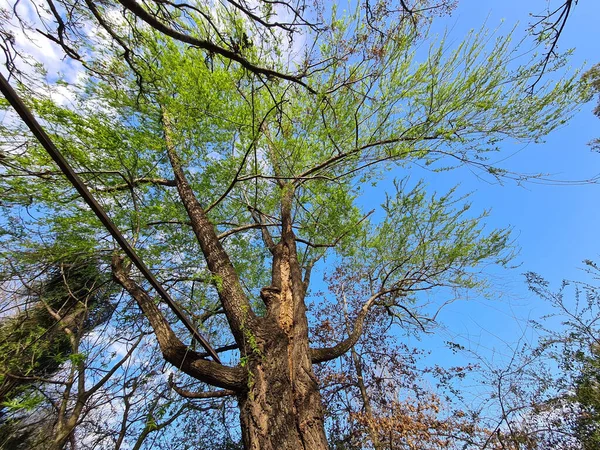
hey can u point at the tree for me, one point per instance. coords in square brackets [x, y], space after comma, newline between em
[545, 395]
[35, 341]
[234, 186]
[573, 346]
[376, 395]
[43, 355]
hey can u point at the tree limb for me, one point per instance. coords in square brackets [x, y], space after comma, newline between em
[145, 16]
[242, 228]
[137, 182]
[555, 29]
[235, 302]
[189, 394]
[319, 355]
[174, 351]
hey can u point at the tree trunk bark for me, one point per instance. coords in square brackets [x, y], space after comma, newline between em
[281, 408]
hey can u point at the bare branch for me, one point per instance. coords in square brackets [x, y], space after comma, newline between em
[555, 29]
[136, 182]
[319, 355]
[338, 239]
[252, 145]
[241, 228]
[190, 394]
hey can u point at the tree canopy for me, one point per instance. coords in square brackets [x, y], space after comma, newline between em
[234, 181]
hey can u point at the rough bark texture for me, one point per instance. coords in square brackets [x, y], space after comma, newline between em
[282, 407]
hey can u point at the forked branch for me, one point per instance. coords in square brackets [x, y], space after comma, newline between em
[174, 351]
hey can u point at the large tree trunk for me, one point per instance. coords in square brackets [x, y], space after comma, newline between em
[282, 406]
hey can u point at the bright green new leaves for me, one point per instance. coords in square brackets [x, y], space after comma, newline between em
[428, 241]
[244, 141]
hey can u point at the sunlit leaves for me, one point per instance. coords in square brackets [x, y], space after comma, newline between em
[427, 241]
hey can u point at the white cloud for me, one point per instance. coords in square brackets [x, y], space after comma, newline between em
[22, 20]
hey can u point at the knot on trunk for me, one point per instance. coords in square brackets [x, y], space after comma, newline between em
[268, 294]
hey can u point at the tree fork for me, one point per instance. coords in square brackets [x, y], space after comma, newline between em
[282, 406]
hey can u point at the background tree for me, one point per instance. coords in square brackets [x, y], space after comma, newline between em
[71, 298]
[544, 393]
[573, 345]
[592, 77]
[51, 371]
[379, 395]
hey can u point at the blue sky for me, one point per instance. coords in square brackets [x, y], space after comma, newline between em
[555, 226]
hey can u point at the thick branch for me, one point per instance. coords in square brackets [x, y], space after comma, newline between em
[145, 16]
[173, 350]
[319, 355]
[235, 303]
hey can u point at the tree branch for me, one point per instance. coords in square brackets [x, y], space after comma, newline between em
[225, 348]
[235, 302]
[319, 355]
[308, 174]
[266, 235]
[145, 16]
[173, 350]
[338, 239]
[136, 182]
[555, 29]
[242, 228]
[190, 394]
[252, 145]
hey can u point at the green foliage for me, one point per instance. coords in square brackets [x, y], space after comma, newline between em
[455, 106]
[27, 403]
[428, 241]
[243, 143]
[587, 396]
[34, 343]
